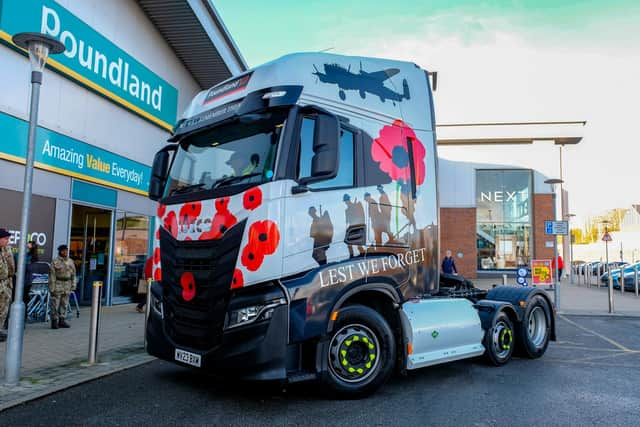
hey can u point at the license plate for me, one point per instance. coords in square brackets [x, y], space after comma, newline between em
[188, 358]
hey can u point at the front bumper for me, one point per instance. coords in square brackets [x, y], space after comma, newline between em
[256, 351]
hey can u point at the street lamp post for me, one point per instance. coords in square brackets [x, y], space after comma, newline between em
[556, 288]
[606, 249]
[39, 47]
[569, 216]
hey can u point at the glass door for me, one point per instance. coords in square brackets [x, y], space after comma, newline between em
[131, 251]
[90, 247]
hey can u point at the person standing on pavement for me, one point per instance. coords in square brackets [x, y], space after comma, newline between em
[148, 269]
[449, 264]
[560, 266]
[32, 256]
[62, 281]
[7, 271]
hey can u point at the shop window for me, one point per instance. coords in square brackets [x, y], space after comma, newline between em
[503, 236]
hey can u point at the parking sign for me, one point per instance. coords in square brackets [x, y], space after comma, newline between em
[556, 227]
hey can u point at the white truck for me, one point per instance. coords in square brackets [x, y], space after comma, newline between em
[297, 234]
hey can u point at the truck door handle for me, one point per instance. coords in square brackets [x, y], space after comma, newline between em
[354, 235]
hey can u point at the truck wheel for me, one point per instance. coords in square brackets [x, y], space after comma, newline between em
[359, 354]
[498, 340]
[532, 334]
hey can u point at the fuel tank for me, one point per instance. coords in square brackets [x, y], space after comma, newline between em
[439, 330]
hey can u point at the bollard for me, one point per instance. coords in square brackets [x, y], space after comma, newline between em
[600, 273]
[621, 280]
[588, 277]
[635, 279]
[611, 309]
[504, 279]
[147, 310]
[96, 296]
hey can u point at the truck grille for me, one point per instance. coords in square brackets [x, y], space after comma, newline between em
[199, 322]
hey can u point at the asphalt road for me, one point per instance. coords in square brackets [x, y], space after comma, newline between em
[590, 376]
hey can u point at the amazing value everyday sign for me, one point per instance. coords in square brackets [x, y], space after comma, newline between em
[93, 60]
[68, 156]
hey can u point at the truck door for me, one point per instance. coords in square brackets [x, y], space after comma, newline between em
[327, 223]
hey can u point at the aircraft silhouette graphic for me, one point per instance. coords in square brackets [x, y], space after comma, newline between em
[363, 82]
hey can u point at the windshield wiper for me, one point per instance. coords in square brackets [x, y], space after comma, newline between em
[230, 179]
[187, 188]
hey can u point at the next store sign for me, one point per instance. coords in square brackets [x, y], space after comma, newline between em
[68, 156]
[93, 60]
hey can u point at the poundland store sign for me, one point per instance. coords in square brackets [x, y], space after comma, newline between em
[93, 60]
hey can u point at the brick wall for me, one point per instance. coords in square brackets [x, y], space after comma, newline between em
[542, 210]
[458, 233]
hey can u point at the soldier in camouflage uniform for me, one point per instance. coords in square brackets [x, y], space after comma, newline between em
[62, 281]
[7, 270]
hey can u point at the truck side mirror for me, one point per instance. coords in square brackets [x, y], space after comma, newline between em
[324, 164]
[159, 173]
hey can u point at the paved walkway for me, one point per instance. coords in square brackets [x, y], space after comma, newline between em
[56, 359]
[581, 299]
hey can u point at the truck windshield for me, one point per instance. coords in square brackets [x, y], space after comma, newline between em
[238, 153]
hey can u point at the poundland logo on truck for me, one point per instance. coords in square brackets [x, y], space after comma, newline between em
[93, 60]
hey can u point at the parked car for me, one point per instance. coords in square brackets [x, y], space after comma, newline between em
[630, 281]
[629, 276]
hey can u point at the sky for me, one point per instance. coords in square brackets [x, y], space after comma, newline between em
[497, 61]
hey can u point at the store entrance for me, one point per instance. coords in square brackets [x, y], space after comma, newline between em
[90, 247]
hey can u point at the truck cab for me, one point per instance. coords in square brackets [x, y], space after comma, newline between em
[297, 232]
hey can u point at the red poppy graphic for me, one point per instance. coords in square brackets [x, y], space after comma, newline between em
[391, 152]
[251, 257]
[190, 211]
[171, 224]
[222, 204]
[161, 210]
[188, 283]
[156, 256]
[265, 236]
[238, 280]
[157, 274]
[222, 221]
[252, 198]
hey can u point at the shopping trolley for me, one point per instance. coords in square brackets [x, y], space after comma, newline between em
[39, 307]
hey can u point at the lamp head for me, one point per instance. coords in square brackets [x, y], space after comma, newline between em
[553, 182]
[39, 47]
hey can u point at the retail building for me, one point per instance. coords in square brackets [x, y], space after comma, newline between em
[107, 104]
[492, 216]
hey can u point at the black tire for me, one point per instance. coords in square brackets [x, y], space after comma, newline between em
[359, 354]
[533, 333]
[499, 340]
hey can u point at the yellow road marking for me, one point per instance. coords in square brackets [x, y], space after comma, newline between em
[592, 363]
[578, 347]
[607, 339]
[607, 355]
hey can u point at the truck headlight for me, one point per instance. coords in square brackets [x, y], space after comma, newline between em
[253, 313]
